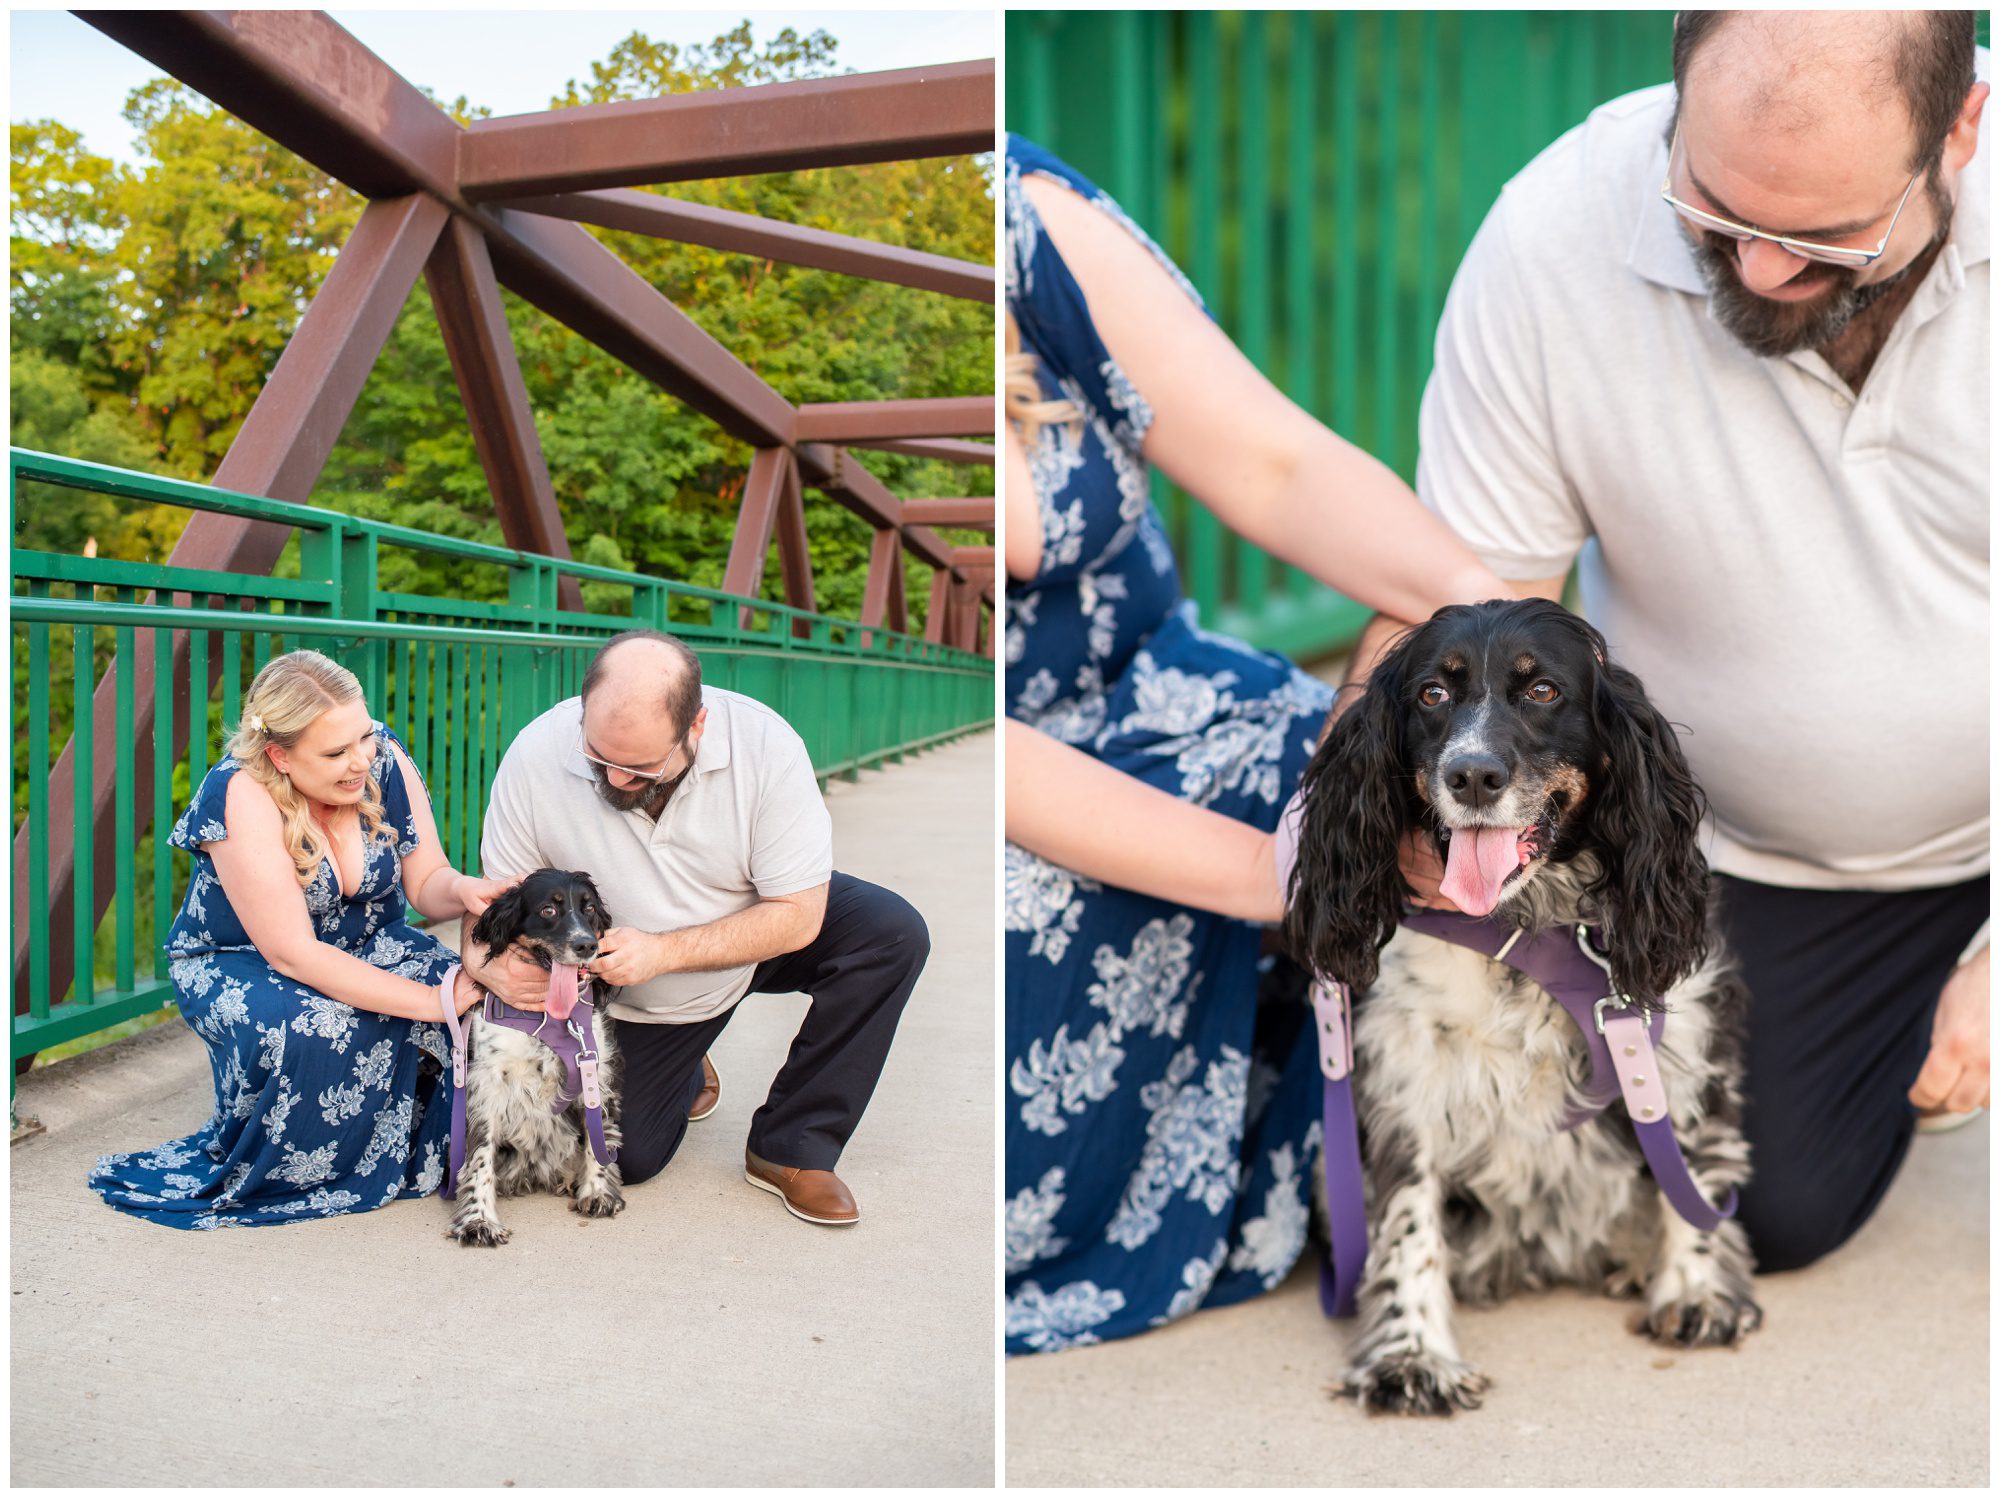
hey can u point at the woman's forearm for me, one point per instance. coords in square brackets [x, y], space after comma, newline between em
[438, 899]
[343, 976]
[1344, 517]
[1102, 823]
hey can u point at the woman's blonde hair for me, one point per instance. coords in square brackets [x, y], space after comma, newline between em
[287, 697]
[1026, 408]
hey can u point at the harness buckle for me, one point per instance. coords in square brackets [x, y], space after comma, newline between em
[1611, 1000]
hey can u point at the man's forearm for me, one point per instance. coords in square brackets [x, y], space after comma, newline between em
[768, 929]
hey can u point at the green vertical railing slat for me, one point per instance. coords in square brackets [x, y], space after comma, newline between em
[1346, 376]
[37, 729]
[124, 808]
[1300, 319]
[83, 901]
[1252, 306]
[230, 642]
[163, 794]
[1388, 433]
[1201, 556]
[197, 707]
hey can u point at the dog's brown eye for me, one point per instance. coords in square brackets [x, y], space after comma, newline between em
[548, 912]
[1430, 694]
[1544, 691]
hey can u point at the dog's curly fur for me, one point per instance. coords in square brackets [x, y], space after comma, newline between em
[1464, 1069]
[514, 1144]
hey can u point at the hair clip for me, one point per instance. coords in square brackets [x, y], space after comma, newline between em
[256, 722]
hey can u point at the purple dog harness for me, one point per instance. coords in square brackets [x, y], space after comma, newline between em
[1562, 961]
[574, 1044]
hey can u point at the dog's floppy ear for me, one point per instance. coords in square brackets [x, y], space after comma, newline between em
[502, 920]
[1346, 895]
[1648, 811]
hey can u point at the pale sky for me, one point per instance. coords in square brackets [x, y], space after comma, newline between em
[511, 61]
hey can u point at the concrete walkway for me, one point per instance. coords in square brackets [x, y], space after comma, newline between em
[703, 1337]
[1871, 1369]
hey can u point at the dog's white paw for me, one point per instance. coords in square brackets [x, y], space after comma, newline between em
[1712, 1318]
[479, 1232]
[1415, 1383]
[608, 1202]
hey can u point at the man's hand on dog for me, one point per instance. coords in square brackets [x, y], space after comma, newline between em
[625, 956]
[1957, 1075]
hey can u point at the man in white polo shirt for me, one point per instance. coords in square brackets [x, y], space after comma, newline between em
[697, 813]
[1765, 446]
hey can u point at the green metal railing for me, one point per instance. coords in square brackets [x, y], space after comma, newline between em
[456, 678]
[1318, 176]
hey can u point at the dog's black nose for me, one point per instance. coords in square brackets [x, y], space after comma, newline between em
[1476, 779]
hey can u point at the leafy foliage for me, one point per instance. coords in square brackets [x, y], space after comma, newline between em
[150, 306]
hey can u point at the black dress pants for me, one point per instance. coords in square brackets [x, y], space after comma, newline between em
[1843, 987]
[858, 971]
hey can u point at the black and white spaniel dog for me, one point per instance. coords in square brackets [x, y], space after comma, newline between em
[1555, 794]
[514, 1141]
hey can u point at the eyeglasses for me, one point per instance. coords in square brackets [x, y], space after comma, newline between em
[659, 774]
[1805, 249]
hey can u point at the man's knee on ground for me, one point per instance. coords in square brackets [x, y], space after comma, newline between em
[641, 1160]
[902, 928]
[1793, 1224]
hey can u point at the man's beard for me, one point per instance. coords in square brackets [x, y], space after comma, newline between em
[1772, 329]
[651, 797]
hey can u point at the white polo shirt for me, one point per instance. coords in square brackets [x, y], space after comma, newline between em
[1799, 576]
[747, 823]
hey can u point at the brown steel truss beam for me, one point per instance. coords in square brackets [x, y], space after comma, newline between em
[467, 300]
[895, 420]
[971, 559]
[278, 452]
[775, 127]
[964, 514]
[947, 451]
[746, 234]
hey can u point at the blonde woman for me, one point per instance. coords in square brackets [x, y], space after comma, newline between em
[1161, 1118]
[292, 959]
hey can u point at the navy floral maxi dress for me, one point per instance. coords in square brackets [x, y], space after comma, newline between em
[321, 1108]
[1162, 1121]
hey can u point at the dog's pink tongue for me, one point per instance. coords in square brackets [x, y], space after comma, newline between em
[1477, 862]
[562, 991]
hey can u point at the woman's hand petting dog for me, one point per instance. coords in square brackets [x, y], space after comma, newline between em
[476, 894]
[625, 956]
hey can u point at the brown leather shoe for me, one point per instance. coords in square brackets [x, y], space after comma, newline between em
[810, 1195]
[710, 1094]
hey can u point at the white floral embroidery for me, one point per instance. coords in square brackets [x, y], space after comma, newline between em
[371, 1067]
[1038, 691]
[329, 1019]
[391, 1137]
[1138, 989]
[183, 1186]
[337, 1103]
[1135, 412]
[1044, 898]
[1065, 1319]
[387, 951]
[194, 975]
[1065, 1077]
[324, 1202]
[280, 1109]
[169, 1156]
[1192, 1140]
[1021, 617]
[1031, 1222]
[1271, 1244]
[1197, 1275]
[430, 1175]
[307, 1167]
[233, 1183]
